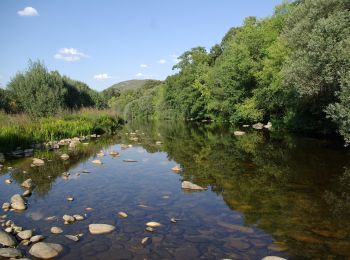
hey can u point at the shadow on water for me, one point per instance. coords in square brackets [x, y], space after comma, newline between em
[268, 192]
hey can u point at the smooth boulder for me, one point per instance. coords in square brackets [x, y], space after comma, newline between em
[45, 250]
[25, 235]
[97, 229]
[17, 202]
[38, 162]
[7, 239]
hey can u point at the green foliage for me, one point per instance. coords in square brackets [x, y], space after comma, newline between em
[39, 92]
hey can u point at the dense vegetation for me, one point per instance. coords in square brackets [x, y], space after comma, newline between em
[291, 68]
[39, 92]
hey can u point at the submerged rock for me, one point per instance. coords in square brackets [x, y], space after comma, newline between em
[45, 250]
[72, 237]
[190, 186]
[17, 202]
[10, 253]
[7, 239]
[8, 181]
[176, 168]
[96, 229]
[122, 214]
[68, 219]
[114, 153]
[37, 238]
[56, 230]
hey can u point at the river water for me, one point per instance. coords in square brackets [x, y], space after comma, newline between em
[267, 193]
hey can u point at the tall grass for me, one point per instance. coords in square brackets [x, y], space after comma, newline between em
[22, 130]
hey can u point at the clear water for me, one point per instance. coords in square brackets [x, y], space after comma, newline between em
[267, 194]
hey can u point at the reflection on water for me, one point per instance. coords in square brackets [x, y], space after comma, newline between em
[268, 194]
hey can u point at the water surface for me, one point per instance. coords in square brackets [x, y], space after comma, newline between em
[267, 194]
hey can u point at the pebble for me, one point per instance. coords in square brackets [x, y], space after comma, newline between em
[17, 202]
[68, 219]
[89, 209]
[7, 239]
[145, 240]
[64, 156]
[70, 198]
[153, 224]
[38, 162]
[176, 168]
[190, 186]
[122, 214]
[150, 229]
[51, 218]
[78, 217]
[6, 205]
[37, 238]
[100, 228]
[56, 230]
[238, 133]
[72, 237]
[27, 193]
[8, 181]
[28, 184]
[97, 162]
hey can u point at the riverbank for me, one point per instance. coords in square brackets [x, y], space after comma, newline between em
[26, 132]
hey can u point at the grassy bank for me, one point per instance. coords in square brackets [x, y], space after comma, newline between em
[23, 131]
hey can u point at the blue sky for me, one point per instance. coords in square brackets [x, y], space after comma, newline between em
[104, 42]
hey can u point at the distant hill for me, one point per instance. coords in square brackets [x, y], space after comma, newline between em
[129, 84]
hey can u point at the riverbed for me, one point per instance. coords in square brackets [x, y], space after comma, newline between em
[264, 194]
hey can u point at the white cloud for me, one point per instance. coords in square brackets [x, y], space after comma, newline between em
[162, 61]
[141, 75]
[69, 54]
[102, 76]
[174, 58]
[28, 11]
[143, 66]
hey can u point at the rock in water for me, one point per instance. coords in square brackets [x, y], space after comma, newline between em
[176, 168]
[96, 162]
[72, 237]
[68, 219]
[25, 235]
[6, 239]
[38, 162]
[56, 230]
[114, 153]
[28, 184]
[45, 250]
[100, 228]
[10, 253]
[258, 126]
[238, 133]
[36, 238]
[153, 224]
[268, 125]
[122, 214]
[190, 186]
[17, 202]
[64, 156]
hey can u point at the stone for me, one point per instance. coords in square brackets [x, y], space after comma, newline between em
[78, 217]
[153, 224]
[258, 126]
[56, 230]
[238, 133]
[17, 202]
[25, 235]
[64, 157]
[38, 162]
[176, 168]
[37, 238]
[45, 250]
[129, 160]
[114, 153]
[150, 229]
[122, 214]
[10, 252]
[100, 154]
[8, 230]
[6, 205]
[7, 239]
[68, 219]
[190, 186]
[268, 125]
[96, 229]
[70, 198]
[8, 181]
[97, 162]
[72, 237]
[27, 193]
[146, 240]
[28, 184]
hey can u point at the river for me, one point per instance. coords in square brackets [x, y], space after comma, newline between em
[266, 193]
